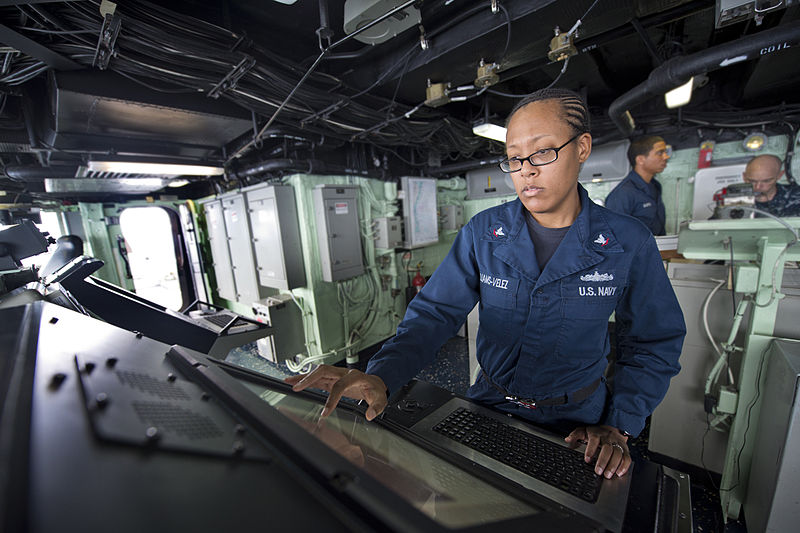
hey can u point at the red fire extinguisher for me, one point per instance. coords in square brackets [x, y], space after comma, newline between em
[706, 152]
[418, 281]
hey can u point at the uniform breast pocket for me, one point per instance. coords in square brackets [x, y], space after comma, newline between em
[590, 296]
[500, 293]
[499, 315]
[586, 306]
[646, 210]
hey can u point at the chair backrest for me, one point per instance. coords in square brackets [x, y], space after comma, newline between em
[68, 248]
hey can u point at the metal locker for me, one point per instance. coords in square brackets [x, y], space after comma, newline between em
[240, 244]
[218, 240]
[276, 236]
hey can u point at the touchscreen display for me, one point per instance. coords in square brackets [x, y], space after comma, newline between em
[444, 492]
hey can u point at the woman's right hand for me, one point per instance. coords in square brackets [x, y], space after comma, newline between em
[344, 382]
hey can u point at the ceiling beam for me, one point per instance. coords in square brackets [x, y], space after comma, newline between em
[4, 3]
[27, 46]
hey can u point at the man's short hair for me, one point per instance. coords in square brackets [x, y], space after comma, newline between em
[775, 159]
[642, 146]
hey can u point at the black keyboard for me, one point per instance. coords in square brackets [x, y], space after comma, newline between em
[542, 459]
[222, 319]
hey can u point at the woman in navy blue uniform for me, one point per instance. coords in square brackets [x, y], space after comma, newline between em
[548, 270]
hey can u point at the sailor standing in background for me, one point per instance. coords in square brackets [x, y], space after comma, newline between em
[548, 269]
[639, 194]
[763, 173]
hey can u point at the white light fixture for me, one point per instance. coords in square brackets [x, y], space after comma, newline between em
[490, 131]
[754, 142]
[156, 169]
[679, 95]
[177, 183]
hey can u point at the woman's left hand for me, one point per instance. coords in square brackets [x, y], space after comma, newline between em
[610, 446]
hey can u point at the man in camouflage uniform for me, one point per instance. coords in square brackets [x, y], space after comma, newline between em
[763, 173]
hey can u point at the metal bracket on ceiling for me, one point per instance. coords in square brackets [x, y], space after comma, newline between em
[109, 31]
[325, 113]
[232, 78]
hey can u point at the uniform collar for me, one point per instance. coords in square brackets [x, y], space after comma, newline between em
[642, 185]
[515, 248]
[584, 245]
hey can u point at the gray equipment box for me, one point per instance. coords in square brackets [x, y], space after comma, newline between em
[218, 240]
[287, 339]
[489, 182]
[388, 232]
[276, 236]
[338, 232]
[772, 504]
[240, 244]
[683, 404]
[451, 217]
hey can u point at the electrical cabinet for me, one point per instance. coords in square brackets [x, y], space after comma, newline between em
[218, 240]
[388, 232]
[276, 236]
[240, 244]
[338, 231]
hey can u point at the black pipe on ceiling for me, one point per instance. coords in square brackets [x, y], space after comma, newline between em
[281, 132]
[463, 166]
[33, 173]
[306, 166]
[678, 70]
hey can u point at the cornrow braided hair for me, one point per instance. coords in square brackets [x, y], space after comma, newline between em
[573, 108]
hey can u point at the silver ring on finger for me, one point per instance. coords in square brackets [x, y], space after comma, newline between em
[618, 446]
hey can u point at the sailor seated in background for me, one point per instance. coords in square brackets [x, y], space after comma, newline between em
[763, 173]
[639, 194]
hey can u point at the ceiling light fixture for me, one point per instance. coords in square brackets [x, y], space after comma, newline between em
[679, 96]
[156, 169]
[754, 142]
[484, 127]
[490, 131]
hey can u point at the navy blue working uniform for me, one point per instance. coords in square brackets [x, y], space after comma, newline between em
[785, 203]
[639, 199]
[544, 335]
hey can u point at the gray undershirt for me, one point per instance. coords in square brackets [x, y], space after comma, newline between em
[545, 240]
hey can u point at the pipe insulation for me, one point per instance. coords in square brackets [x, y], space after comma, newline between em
[304, 166]
[35, 172]
[678, 70]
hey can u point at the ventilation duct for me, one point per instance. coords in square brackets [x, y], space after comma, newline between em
[678, 70]
[607, 162]
[359, 13]
[109, 186]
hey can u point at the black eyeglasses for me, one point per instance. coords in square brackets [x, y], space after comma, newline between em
[537, 159]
